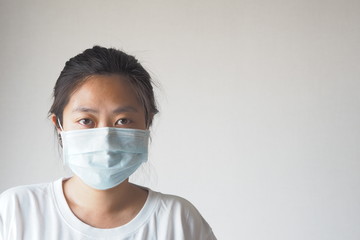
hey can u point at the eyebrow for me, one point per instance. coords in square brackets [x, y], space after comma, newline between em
[117, 110]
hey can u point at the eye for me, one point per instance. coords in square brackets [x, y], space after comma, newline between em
[123, 121]
[86, 122]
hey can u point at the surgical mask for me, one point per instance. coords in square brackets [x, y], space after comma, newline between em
[104, 157]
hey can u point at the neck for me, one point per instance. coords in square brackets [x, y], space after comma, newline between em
[121, 197]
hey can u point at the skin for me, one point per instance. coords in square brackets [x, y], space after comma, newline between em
[103, 101]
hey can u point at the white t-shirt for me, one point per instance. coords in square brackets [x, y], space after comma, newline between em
[40, 211]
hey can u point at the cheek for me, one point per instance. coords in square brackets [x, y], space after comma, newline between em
[67, 125]
[139, 122]
[67, 122]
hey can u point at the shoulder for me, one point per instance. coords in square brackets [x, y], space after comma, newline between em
[178, 205]
[179, 211]
[20, 200]
[24, 206]
[13, 196]
[26, 190]
[173, 200]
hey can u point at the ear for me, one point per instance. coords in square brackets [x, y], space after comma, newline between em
[54, 120]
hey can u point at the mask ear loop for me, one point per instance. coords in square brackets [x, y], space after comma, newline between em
[59, 135]
[60, 124]
[60, 140]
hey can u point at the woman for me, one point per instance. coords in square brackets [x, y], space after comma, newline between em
[103, 108]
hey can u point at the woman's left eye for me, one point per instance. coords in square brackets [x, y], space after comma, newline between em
[123, 121]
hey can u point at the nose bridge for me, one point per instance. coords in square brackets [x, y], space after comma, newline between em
[105, 121]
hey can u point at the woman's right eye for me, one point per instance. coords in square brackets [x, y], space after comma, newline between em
[85, 122]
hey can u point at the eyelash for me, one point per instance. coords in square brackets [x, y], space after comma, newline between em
[81, 121]
[85, 119]
[128, 121]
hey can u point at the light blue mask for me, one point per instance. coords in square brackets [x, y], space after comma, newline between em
[104, 157]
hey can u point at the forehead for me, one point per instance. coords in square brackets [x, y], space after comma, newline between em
[104, 90]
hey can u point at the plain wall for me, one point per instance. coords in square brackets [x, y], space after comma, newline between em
[259, 104]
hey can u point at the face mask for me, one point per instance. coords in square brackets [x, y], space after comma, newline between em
[104, 157]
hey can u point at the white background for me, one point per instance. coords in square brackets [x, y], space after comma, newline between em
[259, 100]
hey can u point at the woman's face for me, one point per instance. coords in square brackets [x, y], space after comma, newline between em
[104, 101]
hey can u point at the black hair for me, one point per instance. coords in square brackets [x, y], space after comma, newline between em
[103, 61]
